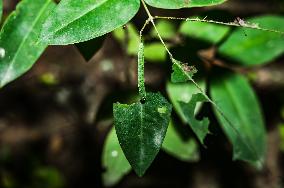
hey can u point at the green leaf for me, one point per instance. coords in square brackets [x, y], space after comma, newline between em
[199, 127]
[177, 4]
[181, 72]
[256, 47]
[155, 52]
[235, 97]
[180, 148]
[133, 37]
[182, 92]
[19, 38]
[208, 32]
[114, 162]
[141, 129]
[166, 29]
[76, 21]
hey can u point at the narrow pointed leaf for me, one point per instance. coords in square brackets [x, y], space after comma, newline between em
[177, 4]
[141, 129]
[181, 71]
[199, 127]
[114, 161]
[19, 38]
[235, 97]
[184, 149]
[76, 21]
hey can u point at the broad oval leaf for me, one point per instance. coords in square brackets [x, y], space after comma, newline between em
[19, 38]
[177, 4]
[141, 129]
[235, 97]
[254, 47]
[76, 21]
[114, 161]
[184, 149]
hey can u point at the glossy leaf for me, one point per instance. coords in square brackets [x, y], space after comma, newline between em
[208, 32]
[141, 129]
[181, 71]
[19, 38]
[114, 161]
[199, 127]
[182, 92]
[177, 4]
[180, 148]
[255, 47]
[235, 97]
[76, 21]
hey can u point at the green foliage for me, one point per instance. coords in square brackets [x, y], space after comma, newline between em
[113, 160]
[181, 72]
[199, 127]
[255, 47]
[141, 129]
[183, 92]
[76, 21]
[238, 102]
[208, 32]
[185, 149]
[177, 4]
[19, 38]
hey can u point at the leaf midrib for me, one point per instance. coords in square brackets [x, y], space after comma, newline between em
[141, 134]
[3, 80]
[238, 110]
[83, 14]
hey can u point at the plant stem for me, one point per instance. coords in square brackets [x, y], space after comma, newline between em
[151, 19]
[141, 76]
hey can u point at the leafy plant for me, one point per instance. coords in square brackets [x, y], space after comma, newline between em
[142, 127]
